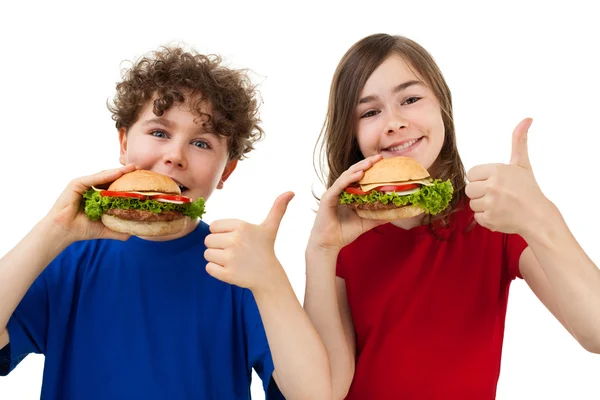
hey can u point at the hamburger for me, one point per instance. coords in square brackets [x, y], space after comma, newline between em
[142, 203]
[396, 188]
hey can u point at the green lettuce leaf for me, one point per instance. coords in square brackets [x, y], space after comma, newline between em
[432, 199]
[96, 205]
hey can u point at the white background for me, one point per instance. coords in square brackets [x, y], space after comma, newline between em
[59, 64]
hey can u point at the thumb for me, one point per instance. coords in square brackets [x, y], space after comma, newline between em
[520, 153]
[277, 211]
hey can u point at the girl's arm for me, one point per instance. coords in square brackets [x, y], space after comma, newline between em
[325, 299]
[507, 198]
[563, 277]
[327, 306]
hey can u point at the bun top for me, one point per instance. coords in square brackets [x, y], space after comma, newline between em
[145, 181]
[396, 169]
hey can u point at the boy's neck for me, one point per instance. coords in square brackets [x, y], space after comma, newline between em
[189, 227]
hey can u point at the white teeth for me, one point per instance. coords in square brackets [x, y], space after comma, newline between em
[403, 146]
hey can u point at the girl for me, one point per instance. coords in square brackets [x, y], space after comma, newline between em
[415, 308]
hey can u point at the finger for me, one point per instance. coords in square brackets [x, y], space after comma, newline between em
[482, 219]
[481, 172]
[365, 164]
[345, 180]
[520, 153]
[478, 205]
[218, 272]
[107, 176]
[218, 240]
[476, 190]
[351, 175]
[217, 256]
[225, 225]
[277, 212]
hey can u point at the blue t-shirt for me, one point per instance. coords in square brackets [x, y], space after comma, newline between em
[140, 320]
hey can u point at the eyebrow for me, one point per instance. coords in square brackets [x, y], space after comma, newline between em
[399, 88]
[159, 121]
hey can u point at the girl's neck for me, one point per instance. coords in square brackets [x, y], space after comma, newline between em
[410, 223]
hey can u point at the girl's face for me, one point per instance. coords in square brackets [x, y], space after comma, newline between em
[397, 115]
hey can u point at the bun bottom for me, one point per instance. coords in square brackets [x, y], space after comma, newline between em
[138, 228]
[391, 215]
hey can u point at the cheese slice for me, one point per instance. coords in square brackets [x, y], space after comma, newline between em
[170, 201]
[366, 188]
[149, 193]
[142, 193]
[405, 192]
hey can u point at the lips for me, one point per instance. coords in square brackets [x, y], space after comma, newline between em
[402, 147]
[405, 144]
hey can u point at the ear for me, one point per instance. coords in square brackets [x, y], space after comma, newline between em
[123, 146]
[226, 172]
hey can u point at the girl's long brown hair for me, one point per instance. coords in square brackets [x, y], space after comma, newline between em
[338, 145]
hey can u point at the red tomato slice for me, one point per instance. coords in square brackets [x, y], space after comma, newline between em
[355, 190]
[110, 193]
[171, 197]
[397, 188]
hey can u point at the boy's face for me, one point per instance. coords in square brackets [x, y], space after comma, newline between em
[176, 145]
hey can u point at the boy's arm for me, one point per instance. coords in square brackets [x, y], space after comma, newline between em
[64, 224]
[243, 254]
[22, 265]
[3, 338]
[301, 364]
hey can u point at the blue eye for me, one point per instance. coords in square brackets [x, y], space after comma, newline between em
[159, 134]
[201, 144]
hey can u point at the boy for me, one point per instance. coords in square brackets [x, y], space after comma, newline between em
[130, 317]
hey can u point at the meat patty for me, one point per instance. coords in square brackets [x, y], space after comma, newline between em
[375, 206]
[145, 216]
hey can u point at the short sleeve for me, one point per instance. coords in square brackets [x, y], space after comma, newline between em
[514, 245]
[259, 354]
[5, 363]
[27, 327]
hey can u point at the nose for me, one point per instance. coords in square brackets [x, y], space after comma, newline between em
[395, 122]
[175, 157]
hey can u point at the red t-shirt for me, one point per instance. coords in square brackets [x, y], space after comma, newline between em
[429, 313]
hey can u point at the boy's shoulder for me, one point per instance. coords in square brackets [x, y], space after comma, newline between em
[83, 254]
[97, 264]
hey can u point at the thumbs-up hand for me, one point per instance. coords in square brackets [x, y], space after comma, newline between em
[243, 254]
[506, 197]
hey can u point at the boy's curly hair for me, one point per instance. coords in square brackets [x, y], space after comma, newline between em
[171, 72]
